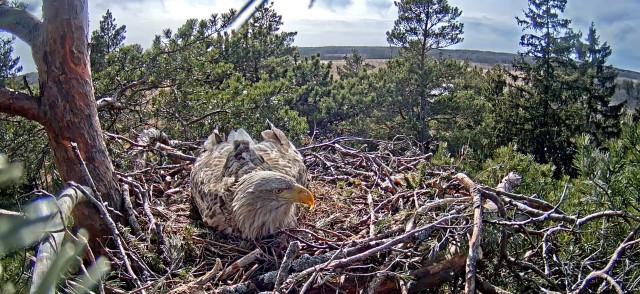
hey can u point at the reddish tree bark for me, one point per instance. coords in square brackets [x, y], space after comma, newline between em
[66, 106]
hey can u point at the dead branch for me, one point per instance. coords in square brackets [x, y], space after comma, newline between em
[114, 101]
[283, 272]
[104, 214]
[60, 212]
[240, 263]
[533, 202]
[195, 120]
[604, 273]
[154, 226]
[340, 263]
[475, 240]
[509, 182]
[8, 213]
[129, 212]
[210, 275]
[485, 287]
[116, 235]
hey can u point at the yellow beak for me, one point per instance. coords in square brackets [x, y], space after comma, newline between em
[299, 194]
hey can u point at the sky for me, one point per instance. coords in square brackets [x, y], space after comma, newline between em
[490, 25]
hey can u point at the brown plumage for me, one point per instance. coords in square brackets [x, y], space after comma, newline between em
[246, 188]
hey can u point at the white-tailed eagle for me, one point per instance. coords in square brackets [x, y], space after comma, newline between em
[249, 189]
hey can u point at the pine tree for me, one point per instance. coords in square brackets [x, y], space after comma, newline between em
[8, 64]
[598, 87]
[416, 81]
[562, 88]
[354, 65]
[108, 38]
[423, 25]
[259, 47]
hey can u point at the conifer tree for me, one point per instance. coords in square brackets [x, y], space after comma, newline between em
[354, 65]
[424, 25]
[105, 40]
[8, 64]
[598, 87]
[416, 81]
[259, 47]
[562, 88]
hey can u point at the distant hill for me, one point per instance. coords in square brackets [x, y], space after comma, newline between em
[32, 78]
[486, 58]
[629, 74]
[379, 52]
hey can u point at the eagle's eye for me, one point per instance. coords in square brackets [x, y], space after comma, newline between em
[277, 191]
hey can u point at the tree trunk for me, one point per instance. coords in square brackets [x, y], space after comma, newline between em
[67, 101]
[66, 106]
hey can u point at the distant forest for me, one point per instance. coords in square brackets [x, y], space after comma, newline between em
[387, 52]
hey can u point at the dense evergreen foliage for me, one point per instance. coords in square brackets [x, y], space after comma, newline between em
[8, 64]
[105, 40]
[423, 25]
[564, 92]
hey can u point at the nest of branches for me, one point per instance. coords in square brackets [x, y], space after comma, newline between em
[387, 219]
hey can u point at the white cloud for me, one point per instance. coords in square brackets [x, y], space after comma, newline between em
[489, 24]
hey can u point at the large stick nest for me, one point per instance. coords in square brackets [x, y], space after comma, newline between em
[387, 219]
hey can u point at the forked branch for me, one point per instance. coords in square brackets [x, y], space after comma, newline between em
[20, 23]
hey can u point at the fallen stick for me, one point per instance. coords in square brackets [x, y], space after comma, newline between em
[197, 286]
[361, 256]
[240, 263]
[153, 225]
[475, 240]
[104, 214]
[372, 216]
[129, 211]
[283, 272]
[210, 275]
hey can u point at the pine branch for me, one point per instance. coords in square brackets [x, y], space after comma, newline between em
[20, 23]
[20, 104]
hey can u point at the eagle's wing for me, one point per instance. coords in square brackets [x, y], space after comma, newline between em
[281, 155]
[215, 173]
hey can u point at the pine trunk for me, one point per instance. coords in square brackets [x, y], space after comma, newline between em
[67, 100]
[66, 106]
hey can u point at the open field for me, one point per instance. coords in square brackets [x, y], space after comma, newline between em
[378, 63]
[378, 55]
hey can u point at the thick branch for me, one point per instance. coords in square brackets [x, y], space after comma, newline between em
[9, 213]
[475, 240]
[533, 202]
[20, 23]
[20, 104]
[474, 244]
[49, 247]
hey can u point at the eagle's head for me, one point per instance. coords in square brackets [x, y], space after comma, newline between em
[265, 202]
